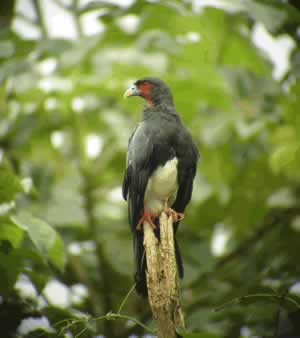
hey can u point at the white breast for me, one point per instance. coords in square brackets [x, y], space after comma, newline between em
[162, 185]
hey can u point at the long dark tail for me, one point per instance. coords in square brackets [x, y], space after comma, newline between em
[140, 263]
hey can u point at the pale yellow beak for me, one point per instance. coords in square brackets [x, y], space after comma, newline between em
[131, 91]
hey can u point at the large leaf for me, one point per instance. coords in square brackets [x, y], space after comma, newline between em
[43, 236]
[9, 185]
[11, 264]
[12, 233]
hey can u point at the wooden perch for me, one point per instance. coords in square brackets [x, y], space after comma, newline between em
[162, 279]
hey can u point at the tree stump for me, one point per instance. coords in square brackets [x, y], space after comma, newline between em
[162, 279]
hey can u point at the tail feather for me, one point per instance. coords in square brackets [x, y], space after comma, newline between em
[179, 261]
[140, 264]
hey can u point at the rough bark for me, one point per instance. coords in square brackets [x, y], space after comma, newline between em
[162, 279]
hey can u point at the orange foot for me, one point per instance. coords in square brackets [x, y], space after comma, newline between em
[177, 216]
[147, 216]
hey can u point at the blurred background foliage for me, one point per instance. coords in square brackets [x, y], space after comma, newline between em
[65, 245]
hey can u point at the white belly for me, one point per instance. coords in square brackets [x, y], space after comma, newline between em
[162, 186]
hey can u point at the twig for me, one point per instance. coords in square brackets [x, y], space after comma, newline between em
[109, 316]
[238, 300]
[81, 332]
[277, 316]
[271, 220]
[126, 298]
[162, 280]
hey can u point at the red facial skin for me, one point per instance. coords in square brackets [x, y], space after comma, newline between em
[145, 90]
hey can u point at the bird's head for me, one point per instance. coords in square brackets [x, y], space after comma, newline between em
[153, 90]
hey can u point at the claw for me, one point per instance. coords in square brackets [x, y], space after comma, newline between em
[147, 216]
[177, 216]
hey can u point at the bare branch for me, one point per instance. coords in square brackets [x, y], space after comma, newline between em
[162, 280]
[272, 219]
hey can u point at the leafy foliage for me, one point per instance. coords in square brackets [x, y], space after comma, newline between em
[63, 136]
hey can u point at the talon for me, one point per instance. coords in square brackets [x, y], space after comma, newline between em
[177, 216]
[147, 216]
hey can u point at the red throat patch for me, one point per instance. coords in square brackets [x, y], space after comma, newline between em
[145, 89]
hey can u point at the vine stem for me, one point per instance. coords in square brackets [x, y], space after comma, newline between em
[238, 300]
[108, 316]
[112, 316]
[125, 299]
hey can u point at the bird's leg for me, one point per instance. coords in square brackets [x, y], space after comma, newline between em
[147, 216]
[177, 216]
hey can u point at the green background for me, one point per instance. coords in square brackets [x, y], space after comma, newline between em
[62, 219]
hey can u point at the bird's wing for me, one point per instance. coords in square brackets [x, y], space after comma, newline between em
[186, 173]
[140, 165]
[127, 175]
[185, 188]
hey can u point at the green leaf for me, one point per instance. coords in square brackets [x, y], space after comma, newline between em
[9, 185]
[241, 52]
[12, 233]
[56, 252]
[271, 16]
[43, 236]
[11, 264]
[286, 159]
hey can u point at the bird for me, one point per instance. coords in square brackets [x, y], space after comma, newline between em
[161, 165]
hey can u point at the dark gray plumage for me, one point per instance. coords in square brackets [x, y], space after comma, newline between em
[161, 165]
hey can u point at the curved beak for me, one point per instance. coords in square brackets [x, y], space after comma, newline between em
[131, 91]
